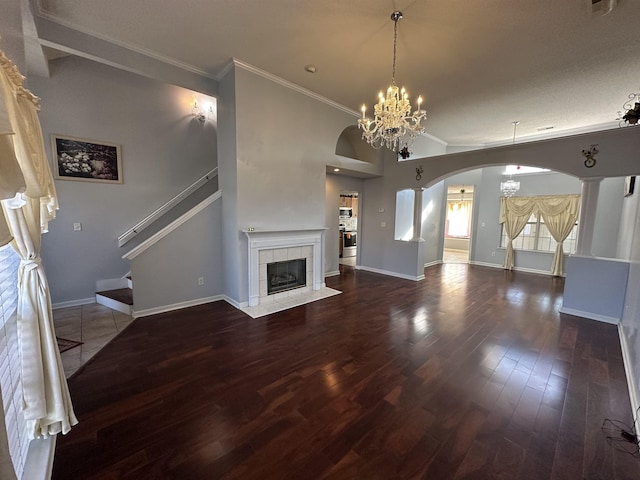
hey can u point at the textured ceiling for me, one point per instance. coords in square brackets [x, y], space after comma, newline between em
[479, 64]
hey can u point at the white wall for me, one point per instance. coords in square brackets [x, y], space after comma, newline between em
[164, 149]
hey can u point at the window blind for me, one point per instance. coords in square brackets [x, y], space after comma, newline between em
[10, 381]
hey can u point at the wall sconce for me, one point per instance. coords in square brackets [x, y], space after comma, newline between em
[202, 114]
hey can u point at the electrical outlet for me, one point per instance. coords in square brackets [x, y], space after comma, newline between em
[200, 280]
[383, 224]
[493, 254]
[77, 227]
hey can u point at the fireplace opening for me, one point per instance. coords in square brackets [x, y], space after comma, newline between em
[286, 275]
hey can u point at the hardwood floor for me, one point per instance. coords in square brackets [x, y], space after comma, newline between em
[470, 374]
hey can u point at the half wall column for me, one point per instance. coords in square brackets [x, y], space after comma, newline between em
[589, 202]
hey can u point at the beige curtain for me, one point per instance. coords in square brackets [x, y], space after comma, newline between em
[559, 212]
[514, 214]
[47, 404]
[560, 215]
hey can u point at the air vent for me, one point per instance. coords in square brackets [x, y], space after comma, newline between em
[602, 7]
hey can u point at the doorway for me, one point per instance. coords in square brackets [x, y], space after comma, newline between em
[348, 228]
[457, 231]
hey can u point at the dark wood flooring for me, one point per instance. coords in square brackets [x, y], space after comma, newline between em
[470, 374]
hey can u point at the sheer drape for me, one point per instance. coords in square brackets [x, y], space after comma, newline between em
[559, 212]
[459, 218]
[47, 404]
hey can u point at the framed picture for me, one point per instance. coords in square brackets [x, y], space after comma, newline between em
[86, 160]
[629, 185]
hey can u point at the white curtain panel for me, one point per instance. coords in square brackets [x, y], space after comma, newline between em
[559, 212]
[47, 403]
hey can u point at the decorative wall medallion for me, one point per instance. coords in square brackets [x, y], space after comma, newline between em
[589, 155]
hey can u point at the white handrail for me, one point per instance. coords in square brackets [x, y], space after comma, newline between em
[140, 226]
[156, 237]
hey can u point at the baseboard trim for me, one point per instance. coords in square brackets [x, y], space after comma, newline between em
[416, 278]
[433, 264]
[332, 274]
[233, 303]
[176, 306]
[517, 269]
[73, 303]
[589, 315]
[631, 380]
[39, 463]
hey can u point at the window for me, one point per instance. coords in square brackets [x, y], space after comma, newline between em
[536, 237]
[10, 381]
[458, 223]
[404, 214]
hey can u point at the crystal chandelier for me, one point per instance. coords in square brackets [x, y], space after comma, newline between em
[511, 186]
[393, 125]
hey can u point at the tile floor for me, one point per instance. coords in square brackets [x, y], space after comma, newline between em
[93, 324]
[455, 256]
[294, 300]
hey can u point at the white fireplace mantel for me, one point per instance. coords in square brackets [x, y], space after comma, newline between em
[275, 239]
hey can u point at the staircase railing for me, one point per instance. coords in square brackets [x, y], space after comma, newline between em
[140, 226]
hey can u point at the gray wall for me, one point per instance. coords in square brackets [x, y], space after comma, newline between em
[168, 272]
[11, 41]
[283, 141]
[630, 324]
[164, 149]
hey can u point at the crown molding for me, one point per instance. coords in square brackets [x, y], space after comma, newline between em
[41, 13]
[286, 83]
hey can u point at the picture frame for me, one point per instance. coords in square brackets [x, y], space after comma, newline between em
[629, 185]
[84, 160]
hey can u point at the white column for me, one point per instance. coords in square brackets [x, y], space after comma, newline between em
[589, 202]
[417, 214]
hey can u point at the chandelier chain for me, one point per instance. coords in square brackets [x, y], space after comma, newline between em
[395, 18]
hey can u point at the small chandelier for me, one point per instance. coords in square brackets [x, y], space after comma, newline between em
[511, 186]
[393, 125]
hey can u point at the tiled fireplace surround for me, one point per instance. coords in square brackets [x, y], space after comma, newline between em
[280, 245]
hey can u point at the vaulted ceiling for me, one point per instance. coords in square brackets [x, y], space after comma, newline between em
[479, 64]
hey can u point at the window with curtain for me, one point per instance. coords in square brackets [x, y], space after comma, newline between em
[458, 219]
[10, 379]
[536, 237]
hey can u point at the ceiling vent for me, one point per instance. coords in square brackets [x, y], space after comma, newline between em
[601, 7]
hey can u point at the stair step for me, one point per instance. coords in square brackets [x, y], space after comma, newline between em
[124, 295]
[120, 299]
